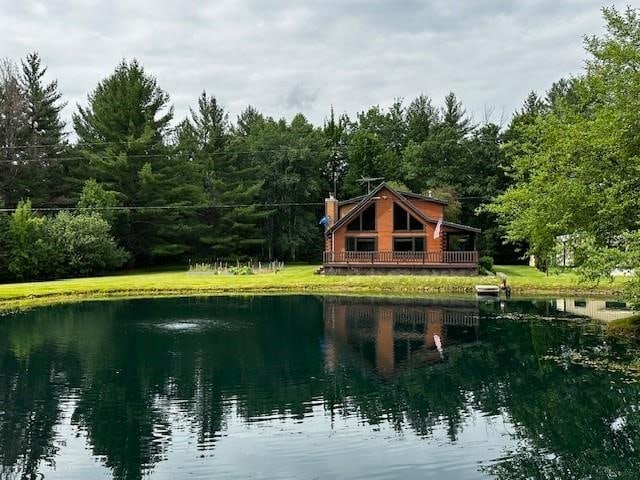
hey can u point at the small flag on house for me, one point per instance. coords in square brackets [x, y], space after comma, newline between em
[324, 221]
[436, 232]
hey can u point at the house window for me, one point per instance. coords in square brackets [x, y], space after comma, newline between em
[365, 222]
[361, 244]
[403, 220]
[408, 244]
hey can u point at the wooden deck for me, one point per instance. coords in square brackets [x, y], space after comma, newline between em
[402, 259]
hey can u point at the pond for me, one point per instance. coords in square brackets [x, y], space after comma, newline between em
[312, 387]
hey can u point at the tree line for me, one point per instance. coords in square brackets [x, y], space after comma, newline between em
[206, 187]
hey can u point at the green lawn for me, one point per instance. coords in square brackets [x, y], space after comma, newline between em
[295, 279]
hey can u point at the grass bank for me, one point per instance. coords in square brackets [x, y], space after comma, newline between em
[295, 279]
[626, 327]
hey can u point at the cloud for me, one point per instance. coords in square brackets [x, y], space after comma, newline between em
[300, 97]
[283, 56]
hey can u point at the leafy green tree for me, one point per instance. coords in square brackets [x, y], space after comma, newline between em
[30, 255]
[576, 169]
[294, 178]
[85, 243]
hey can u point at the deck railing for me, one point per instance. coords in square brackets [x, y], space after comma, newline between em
[401, 258]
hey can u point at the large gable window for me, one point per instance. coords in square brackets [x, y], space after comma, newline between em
[365, 222]
[403, 220]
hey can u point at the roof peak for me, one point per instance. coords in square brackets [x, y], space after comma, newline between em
[394, 190]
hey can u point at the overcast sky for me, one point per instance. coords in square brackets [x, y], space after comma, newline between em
[285, 56]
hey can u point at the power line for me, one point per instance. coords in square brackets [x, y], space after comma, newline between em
[17, 162]
[187, 207]
[168, 207]
[124, 142]
[160, 143]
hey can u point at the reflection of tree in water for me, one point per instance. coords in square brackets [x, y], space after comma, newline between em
[126, 364]
[28, 411]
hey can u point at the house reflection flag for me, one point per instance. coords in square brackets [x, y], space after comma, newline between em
[436, 232]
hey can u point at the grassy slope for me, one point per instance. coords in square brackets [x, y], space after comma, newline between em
[626, 327]
[292, 279]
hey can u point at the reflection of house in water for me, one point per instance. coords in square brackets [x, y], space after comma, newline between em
[605, 310]
[391, 333]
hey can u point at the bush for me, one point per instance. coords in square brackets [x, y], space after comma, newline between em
[486, 263]
[49, 247]
[84, 243]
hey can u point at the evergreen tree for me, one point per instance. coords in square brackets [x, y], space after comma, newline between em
[121, 133]
[421, 117]
[43, 135]
[336, 133]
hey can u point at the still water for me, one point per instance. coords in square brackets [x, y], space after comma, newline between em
[315, 388]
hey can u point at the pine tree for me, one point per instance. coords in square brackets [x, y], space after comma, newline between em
[43, 134]
[121, 133]
[336, 133]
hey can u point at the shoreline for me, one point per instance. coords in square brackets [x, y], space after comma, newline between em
[295, 280]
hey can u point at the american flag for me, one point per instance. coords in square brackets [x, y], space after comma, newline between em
[436, 232]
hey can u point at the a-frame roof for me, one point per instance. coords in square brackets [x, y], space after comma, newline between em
[404, 194]
[367, 199]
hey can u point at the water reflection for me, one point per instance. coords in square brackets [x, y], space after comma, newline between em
[393, 334]
[308, 385]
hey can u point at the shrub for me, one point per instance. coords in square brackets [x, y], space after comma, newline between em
[85, 244]
[486, 263]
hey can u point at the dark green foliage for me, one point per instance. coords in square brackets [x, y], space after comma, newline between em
[43, 136]
[122, 133]
[211, 189]
[31, 256]
[83, 243]
[5, 247]
[486, 263]
[31, 134]
[575, 159]
[52, 247]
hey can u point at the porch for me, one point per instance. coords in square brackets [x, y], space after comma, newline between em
[462, 262]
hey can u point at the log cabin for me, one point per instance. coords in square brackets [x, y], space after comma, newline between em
[388, 231]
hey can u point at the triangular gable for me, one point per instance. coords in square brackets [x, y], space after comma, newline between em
[359, 208]
[355, 211]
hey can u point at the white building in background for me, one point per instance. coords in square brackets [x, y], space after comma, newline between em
[605, 310]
